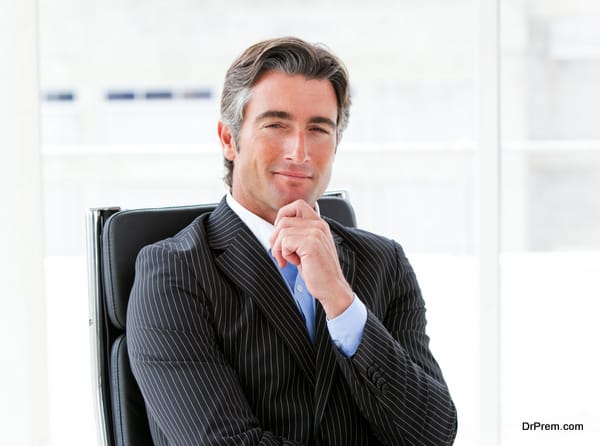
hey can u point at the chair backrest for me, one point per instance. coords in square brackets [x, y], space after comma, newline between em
[115, 237]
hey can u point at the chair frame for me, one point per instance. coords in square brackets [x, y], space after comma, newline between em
[96, 217]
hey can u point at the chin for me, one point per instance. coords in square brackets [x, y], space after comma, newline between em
[287, 197]
[292, 191]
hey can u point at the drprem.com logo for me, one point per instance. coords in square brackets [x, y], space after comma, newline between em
[537, 426]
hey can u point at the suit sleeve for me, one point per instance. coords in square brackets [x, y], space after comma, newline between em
[190, 391]
[393, 376]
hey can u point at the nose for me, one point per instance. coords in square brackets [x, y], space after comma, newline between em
[298, 150]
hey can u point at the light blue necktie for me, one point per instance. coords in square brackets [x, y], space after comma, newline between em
[304, 300]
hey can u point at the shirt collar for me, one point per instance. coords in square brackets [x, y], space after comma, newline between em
[262, 229]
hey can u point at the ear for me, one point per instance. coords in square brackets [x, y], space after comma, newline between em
[227, 141]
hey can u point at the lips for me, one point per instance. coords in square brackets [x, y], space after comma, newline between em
[294, 174]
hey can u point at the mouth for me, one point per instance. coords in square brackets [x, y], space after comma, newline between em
[294, 174]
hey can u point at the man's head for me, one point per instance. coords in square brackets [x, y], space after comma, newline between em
[287, 55]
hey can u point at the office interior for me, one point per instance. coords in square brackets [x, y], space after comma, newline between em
[474, 141]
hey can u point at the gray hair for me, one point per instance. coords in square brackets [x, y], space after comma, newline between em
[287, 55]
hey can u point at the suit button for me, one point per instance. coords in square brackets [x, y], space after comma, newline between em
[383, 387]
[371, 371]
[374, 374]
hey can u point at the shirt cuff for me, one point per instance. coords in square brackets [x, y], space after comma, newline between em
[346, 330]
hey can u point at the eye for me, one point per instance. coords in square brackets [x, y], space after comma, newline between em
[273, 125]
[319, 129]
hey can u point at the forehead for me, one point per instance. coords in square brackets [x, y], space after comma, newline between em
[294, 94]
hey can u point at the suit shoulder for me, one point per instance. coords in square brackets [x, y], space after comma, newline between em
[361, 240]
[190, 238]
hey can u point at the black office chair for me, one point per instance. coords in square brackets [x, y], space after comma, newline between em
[115, 237]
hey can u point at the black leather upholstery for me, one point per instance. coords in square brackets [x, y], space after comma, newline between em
[130, 423]
[122, 236]
[125, 233]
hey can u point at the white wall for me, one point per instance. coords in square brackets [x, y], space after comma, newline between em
[23, 377]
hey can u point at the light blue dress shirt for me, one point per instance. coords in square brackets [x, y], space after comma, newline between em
[304, 300]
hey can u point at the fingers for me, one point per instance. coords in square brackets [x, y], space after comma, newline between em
[302, 238]
[295, 223]
[286, 250]
[298, 208]
[289, 241]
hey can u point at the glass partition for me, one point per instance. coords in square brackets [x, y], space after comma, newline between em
[550, 222]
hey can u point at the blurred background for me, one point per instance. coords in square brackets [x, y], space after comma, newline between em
[129, 94]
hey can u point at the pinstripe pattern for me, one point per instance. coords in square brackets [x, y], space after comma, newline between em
[222, 356]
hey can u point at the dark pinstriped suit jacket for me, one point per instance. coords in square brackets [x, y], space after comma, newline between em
[222, 355]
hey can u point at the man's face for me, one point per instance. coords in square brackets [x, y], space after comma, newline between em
[286, 145]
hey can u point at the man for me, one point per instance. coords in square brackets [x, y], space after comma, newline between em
[263, 323]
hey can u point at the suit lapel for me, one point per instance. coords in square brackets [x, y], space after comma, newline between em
[326, 367]
[244, 261]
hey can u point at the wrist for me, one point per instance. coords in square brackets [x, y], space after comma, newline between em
[338, 301]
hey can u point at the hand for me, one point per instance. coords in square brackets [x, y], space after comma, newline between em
[304, 239]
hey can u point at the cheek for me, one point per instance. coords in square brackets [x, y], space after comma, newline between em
[327, 170]
[324, 157]
[269, 150]
[257, 163]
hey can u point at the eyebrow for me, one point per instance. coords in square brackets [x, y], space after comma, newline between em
[285, 115]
